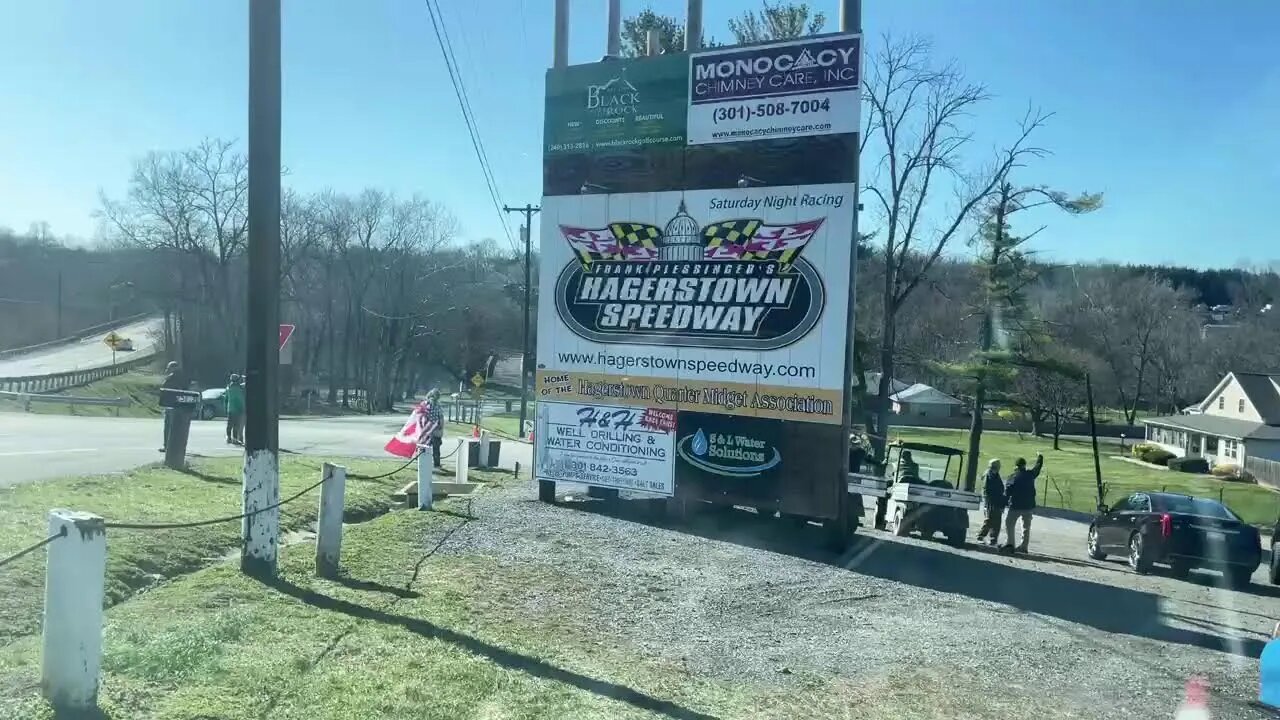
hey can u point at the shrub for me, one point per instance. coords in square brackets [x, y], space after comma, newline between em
[1189, 464]
[1228, 472]
[1153, 454]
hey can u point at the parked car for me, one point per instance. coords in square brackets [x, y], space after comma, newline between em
[211, 403]
[123, 345]
[1181, 531]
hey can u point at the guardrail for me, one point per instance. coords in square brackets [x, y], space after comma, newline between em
[27, 398]
[34, 384]
[80, 335]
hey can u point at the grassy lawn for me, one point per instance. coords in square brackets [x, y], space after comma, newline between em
[141, 388]
[1068, 477]
[137, 560]
[407, 634]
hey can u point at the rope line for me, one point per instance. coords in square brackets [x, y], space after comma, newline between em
[215, 521]
[241, 516]
[62, 532]
[407, 463]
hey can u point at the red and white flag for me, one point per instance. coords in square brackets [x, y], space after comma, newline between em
[416, 429]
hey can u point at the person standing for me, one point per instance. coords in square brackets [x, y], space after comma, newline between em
[174, 379]
[1020, 493]
[435, 424]
[993, 498]
[234, 397]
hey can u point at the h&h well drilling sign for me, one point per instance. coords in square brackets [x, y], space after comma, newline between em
[697, 223]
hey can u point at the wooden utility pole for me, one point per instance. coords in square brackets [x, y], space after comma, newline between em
[261, 438]
[525, 365]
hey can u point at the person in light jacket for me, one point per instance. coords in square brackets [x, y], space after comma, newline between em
[1020, 492]
[993, 499]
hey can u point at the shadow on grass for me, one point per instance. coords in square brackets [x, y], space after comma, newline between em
[61, 713]
[1107, 608]
[357, 584]
[206, 477]
[501, 656]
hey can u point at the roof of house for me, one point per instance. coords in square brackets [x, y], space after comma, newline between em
[921, 393]
[1262, 390]
[872, 379]
[1221, 426]
[1263, 394]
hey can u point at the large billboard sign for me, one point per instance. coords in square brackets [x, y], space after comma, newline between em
[705, 300]
[710, 311]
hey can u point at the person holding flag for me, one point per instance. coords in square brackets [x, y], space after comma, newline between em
[434, 428]
[424, 426]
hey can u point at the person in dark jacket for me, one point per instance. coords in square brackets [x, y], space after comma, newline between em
[174, 379]
[1020, 494]
[993, 498]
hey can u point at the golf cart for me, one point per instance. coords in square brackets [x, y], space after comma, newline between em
[924, 497]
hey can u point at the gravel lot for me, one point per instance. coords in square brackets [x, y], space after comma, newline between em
[916, 628]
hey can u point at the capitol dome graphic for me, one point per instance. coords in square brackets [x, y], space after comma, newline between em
[681, 238]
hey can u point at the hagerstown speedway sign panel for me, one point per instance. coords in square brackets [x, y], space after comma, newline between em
[723, 301]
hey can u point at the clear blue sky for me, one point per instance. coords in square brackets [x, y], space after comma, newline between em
[1172, 107]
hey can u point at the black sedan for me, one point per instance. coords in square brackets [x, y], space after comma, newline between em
[1181, 531]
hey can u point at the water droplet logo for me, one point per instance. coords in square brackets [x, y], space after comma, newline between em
[699, 444]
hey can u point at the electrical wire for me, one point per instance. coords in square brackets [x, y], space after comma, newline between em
[468, 117]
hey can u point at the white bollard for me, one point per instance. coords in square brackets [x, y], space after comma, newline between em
[460, 467]
[484, 449]
[329, 519]
[425, 470]
[73, 594]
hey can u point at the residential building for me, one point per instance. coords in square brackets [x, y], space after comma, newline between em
[1240, 418]
[922, 400]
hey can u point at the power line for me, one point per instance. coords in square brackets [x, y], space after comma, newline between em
[468, 117]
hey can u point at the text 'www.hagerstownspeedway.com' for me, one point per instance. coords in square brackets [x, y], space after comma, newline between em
[748, 370]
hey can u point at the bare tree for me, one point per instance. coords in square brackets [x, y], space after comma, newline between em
[916, 118]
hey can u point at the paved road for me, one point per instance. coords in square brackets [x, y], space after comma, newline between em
[90, 352]
[39, 447]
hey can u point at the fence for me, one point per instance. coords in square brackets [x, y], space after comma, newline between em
[1112, 430]
[1266, 472]
[75, 574]
[73, 378]
[26, 399]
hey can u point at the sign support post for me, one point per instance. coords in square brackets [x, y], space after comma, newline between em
[850, 21]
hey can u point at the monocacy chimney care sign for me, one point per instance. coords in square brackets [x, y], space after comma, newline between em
[725, 301]
[797, 88]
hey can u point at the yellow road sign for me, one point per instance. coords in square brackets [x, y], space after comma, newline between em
[477, 380]
[112, 339]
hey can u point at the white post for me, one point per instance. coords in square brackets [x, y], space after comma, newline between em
[484, 449]
[260, 532]
[425, 470]
[329, 519]
[73, 590]
[460, 467]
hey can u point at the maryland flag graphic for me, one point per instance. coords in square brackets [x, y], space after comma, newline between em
[742, 240]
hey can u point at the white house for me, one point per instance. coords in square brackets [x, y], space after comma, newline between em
[922, 400]
[1239, 419]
